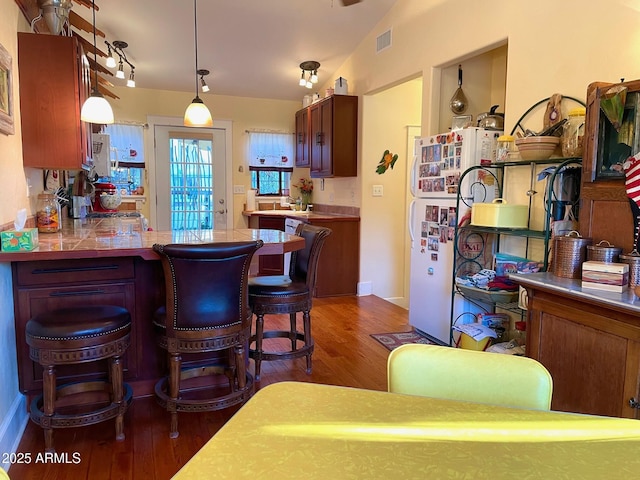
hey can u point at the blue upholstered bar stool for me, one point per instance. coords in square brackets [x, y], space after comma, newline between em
[75, 335]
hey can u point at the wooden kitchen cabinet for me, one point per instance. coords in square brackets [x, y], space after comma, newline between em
[605, 213]
[339, 264]
[303, 148]
[332, 137]
[269, 264]
[43, 286]
[54, 82]
[590, 347]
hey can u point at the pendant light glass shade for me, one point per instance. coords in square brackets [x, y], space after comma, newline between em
[197, 114]
[96, 108]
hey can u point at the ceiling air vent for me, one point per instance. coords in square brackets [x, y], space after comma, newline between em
[383, 41]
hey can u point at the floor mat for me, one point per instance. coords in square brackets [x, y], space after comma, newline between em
[395, 339]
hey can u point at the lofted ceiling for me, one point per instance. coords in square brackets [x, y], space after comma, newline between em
[253, 48]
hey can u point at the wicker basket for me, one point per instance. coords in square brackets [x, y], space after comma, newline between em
[603, 253]
[633, 259]
[569, 253]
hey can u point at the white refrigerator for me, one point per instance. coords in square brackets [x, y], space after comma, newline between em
[439, 162]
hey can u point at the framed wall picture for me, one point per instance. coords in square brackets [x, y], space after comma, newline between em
[6, 93]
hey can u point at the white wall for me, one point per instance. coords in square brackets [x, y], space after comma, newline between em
[383, 227]
[553, 47]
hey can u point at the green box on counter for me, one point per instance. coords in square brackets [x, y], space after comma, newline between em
[19, 241]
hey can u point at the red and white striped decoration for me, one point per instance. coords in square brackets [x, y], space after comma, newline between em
[632, 178]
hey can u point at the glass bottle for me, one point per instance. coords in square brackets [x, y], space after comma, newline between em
[573, 134]
[47, 213]
[504, 146]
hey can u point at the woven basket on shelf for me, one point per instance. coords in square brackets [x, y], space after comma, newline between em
[569, 253]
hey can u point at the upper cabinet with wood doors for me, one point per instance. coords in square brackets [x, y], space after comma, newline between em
[332, 137]
[303, 152]
[54, 82]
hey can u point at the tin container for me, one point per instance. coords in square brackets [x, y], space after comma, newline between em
[569, 253]
[633, 259]
[603, 252]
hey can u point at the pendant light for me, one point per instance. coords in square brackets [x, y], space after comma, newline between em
[197, 114]
[96, 108]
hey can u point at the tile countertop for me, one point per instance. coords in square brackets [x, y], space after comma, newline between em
[320, 212]
[118, 237]
[625, 301]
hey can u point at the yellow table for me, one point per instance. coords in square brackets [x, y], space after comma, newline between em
[294, 430]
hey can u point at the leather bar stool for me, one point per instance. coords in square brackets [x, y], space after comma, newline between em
[75, 335]
[206, 312]
[288, 294]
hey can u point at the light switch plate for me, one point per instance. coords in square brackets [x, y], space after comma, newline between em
[238, 189]
[377, 190]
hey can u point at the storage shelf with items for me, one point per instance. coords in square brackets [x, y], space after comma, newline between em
[477, 248]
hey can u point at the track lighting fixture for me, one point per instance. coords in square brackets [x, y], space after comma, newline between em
[96, 108]
[202, 72]
[310, 68]
[118, 47]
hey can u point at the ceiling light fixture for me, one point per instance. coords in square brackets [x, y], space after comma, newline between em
[120, 72]
[118, 47]
[96, 108]
[202, 72]
[132, 79]
[111, 62]
[311, 67]
[197, 113]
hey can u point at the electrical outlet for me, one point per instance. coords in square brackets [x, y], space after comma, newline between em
[331, 198]
[238, 189]
[377, 190]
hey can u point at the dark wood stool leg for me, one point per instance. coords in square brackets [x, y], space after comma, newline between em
[258, 353]
[49, 403]
[306, 318]
[117, 382]
[175, 361]
[292, 330]
[241, 367]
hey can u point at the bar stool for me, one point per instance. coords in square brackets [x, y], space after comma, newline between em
[206, 312]
[288, 294]
[70, 336]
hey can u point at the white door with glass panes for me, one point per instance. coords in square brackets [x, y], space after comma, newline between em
[190, 178]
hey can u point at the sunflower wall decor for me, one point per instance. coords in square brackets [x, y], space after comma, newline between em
[388, 160]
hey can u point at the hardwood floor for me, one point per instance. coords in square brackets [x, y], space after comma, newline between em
[344, 354]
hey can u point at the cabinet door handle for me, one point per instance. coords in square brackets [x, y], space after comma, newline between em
[301, 138]
[72, 293]
[319, 138]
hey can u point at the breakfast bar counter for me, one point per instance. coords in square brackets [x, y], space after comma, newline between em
[108, 261]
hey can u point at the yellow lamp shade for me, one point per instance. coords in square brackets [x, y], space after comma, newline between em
[96, 109]
[197, 115]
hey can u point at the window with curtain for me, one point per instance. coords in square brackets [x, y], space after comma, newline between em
[271, 162]
[127, 147]
[127, 144]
